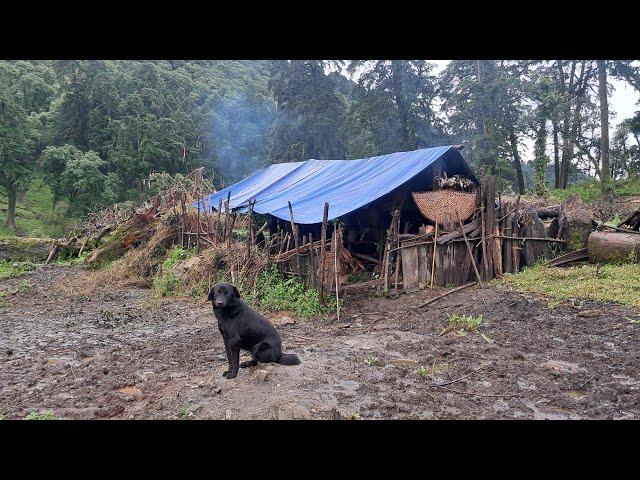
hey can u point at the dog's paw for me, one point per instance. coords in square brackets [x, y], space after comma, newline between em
[248, 363]
[231, 375]
[225, 373]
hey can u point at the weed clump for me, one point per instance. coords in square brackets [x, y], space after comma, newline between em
[48, 415]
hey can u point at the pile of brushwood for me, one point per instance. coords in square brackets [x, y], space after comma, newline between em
[135, 243]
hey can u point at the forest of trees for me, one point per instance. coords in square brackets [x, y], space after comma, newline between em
[95, 129]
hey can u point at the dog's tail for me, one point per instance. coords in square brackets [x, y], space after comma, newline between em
[289, 359]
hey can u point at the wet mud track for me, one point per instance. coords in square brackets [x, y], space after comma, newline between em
[87, 352]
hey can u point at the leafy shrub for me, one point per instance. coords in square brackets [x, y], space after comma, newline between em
[274, 292]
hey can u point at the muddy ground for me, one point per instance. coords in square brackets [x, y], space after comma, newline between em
[122, 354]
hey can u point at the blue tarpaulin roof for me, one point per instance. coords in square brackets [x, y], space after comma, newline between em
[345, 184]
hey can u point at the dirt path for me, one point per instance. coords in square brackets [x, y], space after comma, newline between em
[123, 354]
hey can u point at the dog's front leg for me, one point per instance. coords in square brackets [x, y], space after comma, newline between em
[234, 357]
[228, 352]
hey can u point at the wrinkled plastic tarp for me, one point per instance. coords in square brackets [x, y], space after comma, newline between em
[345, 184]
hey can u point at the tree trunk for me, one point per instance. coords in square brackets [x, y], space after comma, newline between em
[516, 160]
[604, 125]
[567, 150]
[403, 111]
[11, 210]
[556, 151]
[480, 76]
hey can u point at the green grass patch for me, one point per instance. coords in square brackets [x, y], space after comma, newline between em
[607, 283]
[589, 191]
[467, 323]
[274, 292]
[10, 269]
[430, 371]
[176, 255]
[165, 281]
[49, 415]
[36, 213]
[373, 361]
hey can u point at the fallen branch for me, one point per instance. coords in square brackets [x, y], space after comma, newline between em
[459, 379]
[453, 290]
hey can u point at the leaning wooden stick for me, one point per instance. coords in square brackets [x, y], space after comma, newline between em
[294, 231]
[473, 260]
[457, 289]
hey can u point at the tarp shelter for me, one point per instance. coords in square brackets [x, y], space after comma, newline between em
[346, 185]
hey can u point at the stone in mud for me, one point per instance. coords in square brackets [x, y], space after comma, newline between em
[261, 375]
[283, 321]
[291, 412]
[108, 412]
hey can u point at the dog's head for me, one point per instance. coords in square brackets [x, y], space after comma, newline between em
[223, 295]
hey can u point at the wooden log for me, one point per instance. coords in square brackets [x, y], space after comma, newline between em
[469, 227]
[548, 211]
[53, 252]
[575, 256]
[613, 247]
[365, 257]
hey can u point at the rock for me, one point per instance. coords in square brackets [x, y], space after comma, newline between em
[517, 355]
[283, 321]
[108, 412]
[291, 412]
[261, 375]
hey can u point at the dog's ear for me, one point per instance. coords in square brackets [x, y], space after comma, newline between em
[236, 292]
[211, 295]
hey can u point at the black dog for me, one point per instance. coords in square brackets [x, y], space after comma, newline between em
[244, 328]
